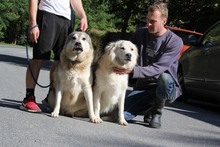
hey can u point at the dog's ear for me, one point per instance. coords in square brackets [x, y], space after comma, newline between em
[110, 47]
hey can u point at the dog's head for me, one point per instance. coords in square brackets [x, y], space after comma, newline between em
[122, 53]
[78, 46]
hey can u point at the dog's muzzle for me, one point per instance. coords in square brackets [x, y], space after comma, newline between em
[78, 47]
[128, 57]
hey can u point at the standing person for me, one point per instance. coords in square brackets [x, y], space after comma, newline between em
[156, 73]
[49, 22]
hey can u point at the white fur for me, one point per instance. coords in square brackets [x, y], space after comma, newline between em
[71, 92]
[110, 87]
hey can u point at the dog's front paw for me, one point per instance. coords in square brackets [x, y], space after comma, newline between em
[55, 114]
[123, 122]
[96, 120]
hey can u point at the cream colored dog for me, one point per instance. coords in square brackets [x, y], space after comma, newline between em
[110, 88]
[71, 92]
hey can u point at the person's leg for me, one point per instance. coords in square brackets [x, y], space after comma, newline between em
[32, 73]
[33, 68]
[137, 101]
[41, 52]
[166, 91]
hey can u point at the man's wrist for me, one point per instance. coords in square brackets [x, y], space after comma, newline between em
[32, 27]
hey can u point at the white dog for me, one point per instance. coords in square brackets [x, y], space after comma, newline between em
[71, 92]
[110, 88]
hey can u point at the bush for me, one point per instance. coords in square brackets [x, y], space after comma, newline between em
[97, 37]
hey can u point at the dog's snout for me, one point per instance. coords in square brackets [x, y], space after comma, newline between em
[78, 44]
[128, 56]
[78, 47]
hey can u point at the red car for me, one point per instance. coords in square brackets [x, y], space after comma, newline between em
[184, 34]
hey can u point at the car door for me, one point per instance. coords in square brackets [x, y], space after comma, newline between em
[194, 62]
[211, 42]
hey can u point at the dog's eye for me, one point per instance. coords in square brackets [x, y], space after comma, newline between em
[83, 38]
[122, 48]
[74, 37]
[132, 49]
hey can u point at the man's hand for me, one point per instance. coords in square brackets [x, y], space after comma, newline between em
[34, 33]
[123, 71]
[83, 24]
[78, 8]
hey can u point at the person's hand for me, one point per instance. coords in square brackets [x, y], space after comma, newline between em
[83, 24]
[123, 71]
[34, 33]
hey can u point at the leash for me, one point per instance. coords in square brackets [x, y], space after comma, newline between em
[28, 60]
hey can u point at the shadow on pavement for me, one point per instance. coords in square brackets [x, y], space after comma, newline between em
[21, 61]
[137, 122]
[196, 112]
[14, 104]
[10, 103]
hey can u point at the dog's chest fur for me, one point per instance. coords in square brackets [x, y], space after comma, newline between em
[112, 89]
[74, 78]
[73, 81]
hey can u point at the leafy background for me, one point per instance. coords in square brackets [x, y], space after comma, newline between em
[113, 16]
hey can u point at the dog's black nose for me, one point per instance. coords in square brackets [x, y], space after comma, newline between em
[78, 44]
[128, 56]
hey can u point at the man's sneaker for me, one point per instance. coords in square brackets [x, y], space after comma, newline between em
[155, 121]
[147, 114]
[147, 118]
[29, 104]
[45, 102]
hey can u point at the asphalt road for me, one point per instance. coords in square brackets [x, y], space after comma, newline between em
[182, 124]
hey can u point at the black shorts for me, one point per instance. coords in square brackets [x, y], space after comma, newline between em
[53, 34]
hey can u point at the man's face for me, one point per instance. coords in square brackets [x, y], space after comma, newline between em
[155, 22]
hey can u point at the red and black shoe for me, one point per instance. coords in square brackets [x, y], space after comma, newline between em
[29, 104]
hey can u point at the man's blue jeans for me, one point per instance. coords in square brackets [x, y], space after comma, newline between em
[137, 101]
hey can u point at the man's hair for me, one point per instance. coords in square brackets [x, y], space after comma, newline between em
[161, 7]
